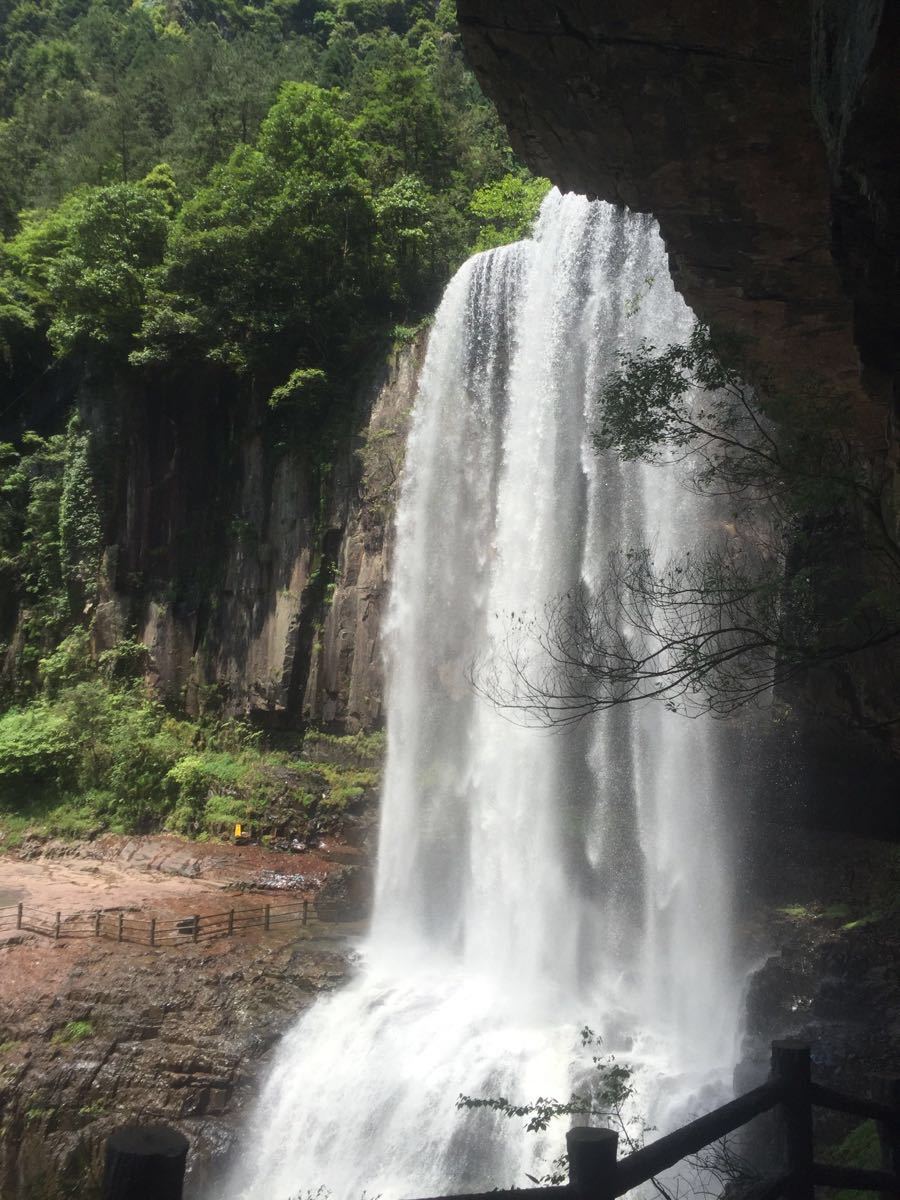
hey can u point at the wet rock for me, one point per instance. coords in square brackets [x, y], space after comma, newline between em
[346, 894]
[177, 1035]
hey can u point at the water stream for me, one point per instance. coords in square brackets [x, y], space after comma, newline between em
[528, 882]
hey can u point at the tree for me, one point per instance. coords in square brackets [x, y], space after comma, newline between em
[507, 209]
[98, 282]
[275, 258]
[607, 1095]
[805, 575]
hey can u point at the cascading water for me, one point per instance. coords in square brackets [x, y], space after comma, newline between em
[527, 882]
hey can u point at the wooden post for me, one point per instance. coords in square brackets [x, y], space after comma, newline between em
[121, 924]
[56, 926]
[592, 1162]
[889, 1132]
[144, 1163]
[266, 916]
[153, 931]
[305, 911]
[231, 922]
[19, 916]
[791, 1066]
[196, 926]
[97, 923]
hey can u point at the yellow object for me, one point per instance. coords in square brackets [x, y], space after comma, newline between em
[237, 830]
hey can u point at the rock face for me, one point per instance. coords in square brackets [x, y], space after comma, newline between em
[344, 685]
[761, 136]
[255, 575]
[102, 1035]
[825, 942]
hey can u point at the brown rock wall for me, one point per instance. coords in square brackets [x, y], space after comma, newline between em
[345, 684]
[177, 1035]
[711, 117]
[286, 568]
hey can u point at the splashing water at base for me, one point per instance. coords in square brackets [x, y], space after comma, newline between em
[527, 882]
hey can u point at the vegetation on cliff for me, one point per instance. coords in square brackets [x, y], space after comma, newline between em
[94, 751]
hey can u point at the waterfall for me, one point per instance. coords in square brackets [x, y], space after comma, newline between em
[528, 881]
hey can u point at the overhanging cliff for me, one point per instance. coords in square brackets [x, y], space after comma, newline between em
[761, 136]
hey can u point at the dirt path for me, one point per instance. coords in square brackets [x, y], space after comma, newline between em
[159, 873]
[74, 887]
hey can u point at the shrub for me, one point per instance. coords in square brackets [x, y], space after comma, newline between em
[36, 750]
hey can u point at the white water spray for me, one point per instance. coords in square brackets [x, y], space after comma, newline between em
[527, 882]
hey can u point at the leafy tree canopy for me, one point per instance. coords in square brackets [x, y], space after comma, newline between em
[265, 188]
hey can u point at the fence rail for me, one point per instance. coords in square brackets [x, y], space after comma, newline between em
[151, 930]
[597, 1173]
[151, 1160]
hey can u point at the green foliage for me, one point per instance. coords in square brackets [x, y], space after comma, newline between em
[220, 813]
[38, 1113]
[72, 1032]
[97, 282]
[31, 481]
[36, 749]
[367, 746]
[50, 545]
[69, 662]
[192, 779]
[79, 513]
[92, 751]
[325, 166]
[861, 1148]
[507, 209]
[304, 390]
[342, 797]
[95, 1109]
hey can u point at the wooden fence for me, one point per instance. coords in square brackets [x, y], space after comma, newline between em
[121, 926]
[595, 1171]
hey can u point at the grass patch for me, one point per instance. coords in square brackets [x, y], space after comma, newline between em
[815, 912]
[860, 1148]
[364, 749]
[72, 1032]
[861, 922]
[38, 1114]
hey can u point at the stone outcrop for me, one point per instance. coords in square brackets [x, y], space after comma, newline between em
[824, 943]
[102, 1034]
[344, 685]
[761, 136]
[255, 575]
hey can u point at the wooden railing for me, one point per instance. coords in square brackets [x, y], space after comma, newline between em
[149, 930]
[595, 1170]
[597, 1173]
